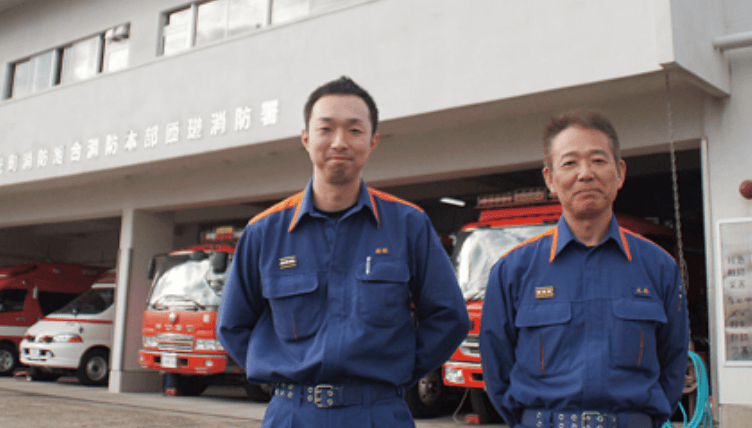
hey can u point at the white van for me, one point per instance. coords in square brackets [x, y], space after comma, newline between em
[75, 339]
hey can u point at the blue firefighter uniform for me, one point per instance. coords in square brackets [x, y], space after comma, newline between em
[321, 307]
[570, 332]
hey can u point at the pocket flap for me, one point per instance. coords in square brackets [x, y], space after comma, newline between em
[383, 272]
[289, 285]
[639, 310]
[543, 314]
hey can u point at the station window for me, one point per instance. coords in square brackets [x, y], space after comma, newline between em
[80, 60]
[204, 22]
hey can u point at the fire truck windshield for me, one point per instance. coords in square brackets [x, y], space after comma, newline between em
[478, 249]
[186, 284]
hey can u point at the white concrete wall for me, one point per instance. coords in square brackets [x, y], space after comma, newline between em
[416, 56]
[729, 151]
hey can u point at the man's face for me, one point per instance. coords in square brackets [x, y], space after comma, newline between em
[583, 172]
[338, 138]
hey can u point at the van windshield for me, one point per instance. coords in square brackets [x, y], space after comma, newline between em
[183, 283]
[92, 302]
[477, 250]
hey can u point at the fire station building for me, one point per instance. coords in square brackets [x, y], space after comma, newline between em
[128, 127]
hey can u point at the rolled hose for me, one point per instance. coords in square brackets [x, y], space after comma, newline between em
[702, 416]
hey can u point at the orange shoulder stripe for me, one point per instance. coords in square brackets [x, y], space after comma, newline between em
[637, 235]
[290, 202]
[391, 198]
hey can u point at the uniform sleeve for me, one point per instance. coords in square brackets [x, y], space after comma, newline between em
[673, 340]
[441, 314]
[242, 302]
[498, 339]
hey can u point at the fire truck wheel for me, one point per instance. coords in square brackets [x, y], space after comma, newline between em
[424, 398]
[190, 386]
[8, 359]
[35, 373]
[94, 368]
[482, 406]
[258, 393]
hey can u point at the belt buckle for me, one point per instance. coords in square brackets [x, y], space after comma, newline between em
[318, 394]
[587, 415]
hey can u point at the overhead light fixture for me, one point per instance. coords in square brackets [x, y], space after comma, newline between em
[452, 201]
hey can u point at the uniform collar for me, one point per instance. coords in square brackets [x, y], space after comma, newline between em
[305, 206]
[563, 235]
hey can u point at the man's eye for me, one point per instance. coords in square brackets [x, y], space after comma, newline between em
[356, 131]
[568, 163]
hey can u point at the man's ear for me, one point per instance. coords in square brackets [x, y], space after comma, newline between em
[549, 179]
[304, 138]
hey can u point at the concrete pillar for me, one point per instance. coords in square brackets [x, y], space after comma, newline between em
[142, 235]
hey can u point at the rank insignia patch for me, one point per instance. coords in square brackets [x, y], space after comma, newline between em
[288, 262]
[544, 292]
[643, 291]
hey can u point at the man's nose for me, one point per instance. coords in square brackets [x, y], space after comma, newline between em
[585, 171]
[338, 139]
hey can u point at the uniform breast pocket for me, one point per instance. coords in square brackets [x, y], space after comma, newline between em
[633, 342]
[383, 293]
[542, 348]
[297, 304]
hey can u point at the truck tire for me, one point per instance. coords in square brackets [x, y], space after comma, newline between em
[40, 375]
[482, 406]
[187, 385]
[258, 393]
[8, 359]
[424, 398]
[94, 368]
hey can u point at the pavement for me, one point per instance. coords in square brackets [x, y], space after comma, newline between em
[67, 404]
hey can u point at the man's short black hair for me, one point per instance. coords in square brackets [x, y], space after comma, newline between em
[342, 86]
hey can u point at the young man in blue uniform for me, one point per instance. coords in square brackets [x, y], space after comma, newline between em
[584, 325]
[341, 295]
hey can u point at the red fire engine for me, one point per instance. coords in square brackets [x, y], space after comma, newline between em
[506, 221]
[179, 324]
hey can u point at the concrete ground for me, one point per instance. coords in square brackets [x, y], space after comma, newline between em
[68, 404]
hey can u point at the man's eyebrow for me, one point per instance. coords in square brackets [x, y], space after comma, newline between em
[575, 153]
[353, 120]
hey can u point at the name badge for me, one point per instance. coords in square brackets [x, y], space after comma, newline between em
[544, 292]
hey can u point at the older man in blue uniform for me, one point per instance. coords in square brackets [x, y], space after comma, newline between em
[585, 325]
[341, 296]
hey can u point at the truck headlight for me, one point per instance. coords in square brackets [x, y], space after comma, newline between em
[208, 345]
[149, 341]
[453, 375]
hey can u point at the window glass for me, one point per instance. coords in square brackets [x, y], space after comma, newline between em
[116, 48]
[176, 32]
[12, 299]
[211, 21]
[43, 75]
[287, 10]
[247, 15]
[21, 79]
[81, 60]
[92, 302]
[50, 302]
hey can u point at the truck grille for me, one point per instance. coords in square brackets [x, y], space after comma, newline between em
[175, 342]
[471, 346]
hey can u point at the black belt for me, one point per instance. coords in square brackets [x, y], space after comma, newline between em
[584, 419]
[325, 395]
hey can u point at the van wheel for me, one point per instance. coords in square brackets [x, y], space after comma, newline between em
[8, 359]
[94, 368]
[41, 375]
[258, 393]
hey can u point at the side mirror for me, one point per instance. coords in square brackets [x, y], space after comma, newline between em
[219, 262]
[152, 269]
